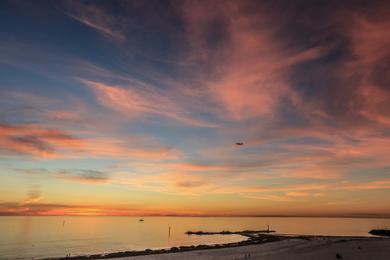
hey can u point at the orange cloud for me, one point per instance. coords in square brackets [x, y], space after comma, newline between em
[278, 198]
[74, 175]
[54, 209]
[35, 140]
[83, 176]
[127, 149]
[179, 167]
[297, 194]
[170, 183]
[50, 209]
[45, 142]
[344, 185]
[169, 180]
[33, 196]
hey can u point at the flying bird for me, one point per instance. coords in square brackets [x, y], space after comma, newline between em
[240, 143]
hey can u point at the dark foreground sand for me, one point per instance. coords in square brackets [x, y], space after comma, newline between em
[316, 248]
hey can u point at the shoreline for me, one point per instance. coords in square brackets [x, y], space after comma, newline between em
[248, 241]
[252, 240]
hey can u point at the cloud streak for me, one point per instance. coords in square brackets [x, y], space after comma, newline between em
[33, 196]
[96, 18]
[148, 101]
[42, 142]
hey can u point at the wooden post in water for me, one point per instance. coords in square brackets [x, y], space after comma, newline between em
[169, 230]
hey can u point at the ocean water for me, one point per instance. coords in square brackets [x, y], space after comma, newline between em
[39, 237]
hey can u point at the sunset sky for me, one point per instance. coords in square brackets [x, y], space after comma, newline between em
[134, 108]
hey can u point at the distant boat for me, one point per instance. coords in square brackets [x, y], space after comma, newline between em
[141, 220]
[239, 143]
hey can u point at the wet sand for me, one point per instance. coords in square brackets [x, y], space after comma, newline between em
[317, 248]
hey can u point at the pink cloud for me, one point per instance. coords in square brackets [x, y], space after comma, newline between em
[146, 101]
[370, 42]
[248, 70]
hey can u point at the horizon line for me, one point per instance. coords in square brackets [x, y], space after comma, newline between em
[202, 216]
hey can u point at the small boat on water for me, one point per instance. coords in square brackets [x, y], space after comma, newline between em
[140, 220]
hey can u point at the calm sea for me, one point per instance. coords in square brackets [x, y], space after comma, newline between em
[37, 237]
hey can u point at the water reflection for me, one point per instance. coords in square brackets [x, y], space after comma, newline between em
[27, 237]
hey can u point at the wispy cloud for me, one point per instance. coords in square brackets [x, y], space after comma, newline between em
[33, 195]
[248, 63]
[87, 176]
[50, 209]
[35, 140]
[192, 183]
[97, 18]
[74, 175]
[42, 142]
[145, 101]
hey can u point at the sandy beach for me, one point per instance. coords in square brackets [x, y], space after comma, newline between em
[293, 248]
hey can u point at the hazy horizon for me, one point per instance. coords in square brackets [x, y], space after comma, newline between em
[195, 108]
[350, 215]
